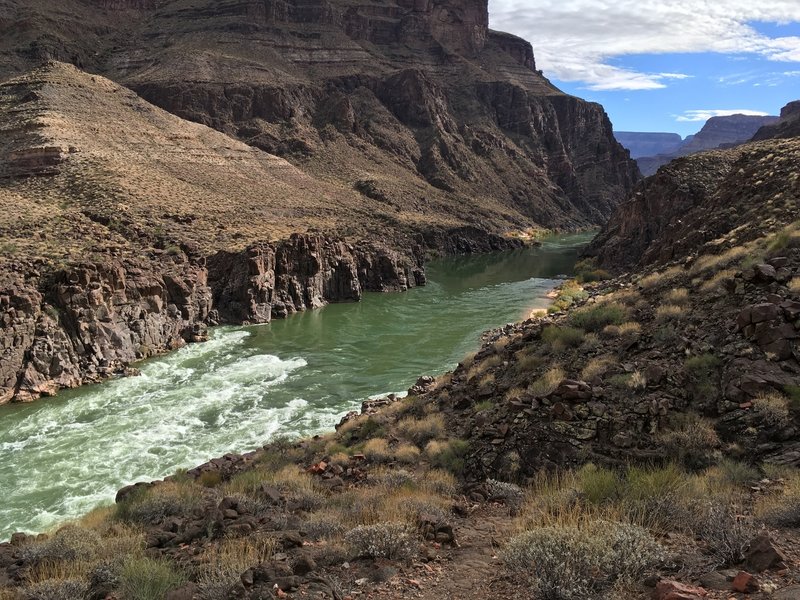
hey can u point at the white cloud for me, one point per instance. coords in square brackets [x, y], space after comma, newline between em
[691, 116]
[574, 40]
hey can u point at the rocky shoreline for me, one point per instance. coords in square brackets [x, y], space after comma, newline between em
[91, 321]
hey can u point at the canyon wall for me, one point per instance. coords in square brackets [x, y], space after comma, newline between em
[89, 322]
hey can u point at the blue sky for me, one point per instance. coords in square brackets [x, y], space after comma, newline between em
[664, 66]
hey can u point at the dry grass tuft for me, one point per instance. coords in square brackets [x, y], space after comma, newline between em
[407, 453]
[547, 383]
[377, 449]
[679, 296]
[597, 367]
[669, 312]
[421, 431]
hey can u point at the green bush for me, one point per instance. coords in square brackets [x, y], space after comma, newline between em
[596, 484]
[148, 579]
[68, 543]
[578, 562]
[702, 371]
[562, 336]
[654, 497]
[594, 318]
[55, 589]
[394, 541]
[447, 455]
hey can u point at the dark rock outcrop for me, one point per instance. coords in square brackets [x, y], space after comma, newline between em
[787, 127]
[87, 323]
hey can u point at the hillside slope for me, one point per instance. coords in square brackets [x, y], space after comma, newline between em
[701, 203]
[419, 105]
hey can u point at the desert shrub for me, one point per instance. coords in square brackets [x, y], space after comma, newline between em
[597, 484]
[733, 472]
[655, 497]
[511, 494]
[629, 328]
[394, 541]
[594, 318]
[321, 526]
[793, 397]
[658, 278]
[480, 367]
[298, 485]
[70, 543]
[407, 453]
[789, 236]
[702, 372]
[447, 455]
[579, 562]
[726, 532]
[591, 341]
[587, 270]
[224, 563]
[377, 449]
[148, 579]
[781, 509]
[421, 431]
[562, 337]
[392, 478]
[773, 409]
[715, 262]
[153, 505]
[631, 381]
[692, 443]
[210, 479]
[547, 383]
[527, 361]
[569, 293]
[717, 280]
[55, 589]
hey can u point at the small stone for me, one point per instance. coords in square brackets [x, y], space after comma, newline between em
[674, 590]
[763, 554]
[744, 583]
[764, 273]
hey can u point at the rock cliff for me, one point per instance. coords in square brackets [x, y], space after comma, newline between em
[90, 321]
[717, 133]
[787, 126]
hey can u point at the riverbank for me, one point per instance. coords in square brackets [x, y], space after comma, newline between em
[64, 455]
[453, 490]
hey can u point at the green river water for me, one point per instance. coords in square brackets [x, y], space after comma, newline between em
[61, 457]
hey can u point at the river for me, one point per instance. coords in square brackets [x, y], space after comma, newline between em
[60, 457]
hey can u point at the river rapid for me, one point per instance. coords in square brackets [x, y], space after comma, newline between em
[60, 457]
